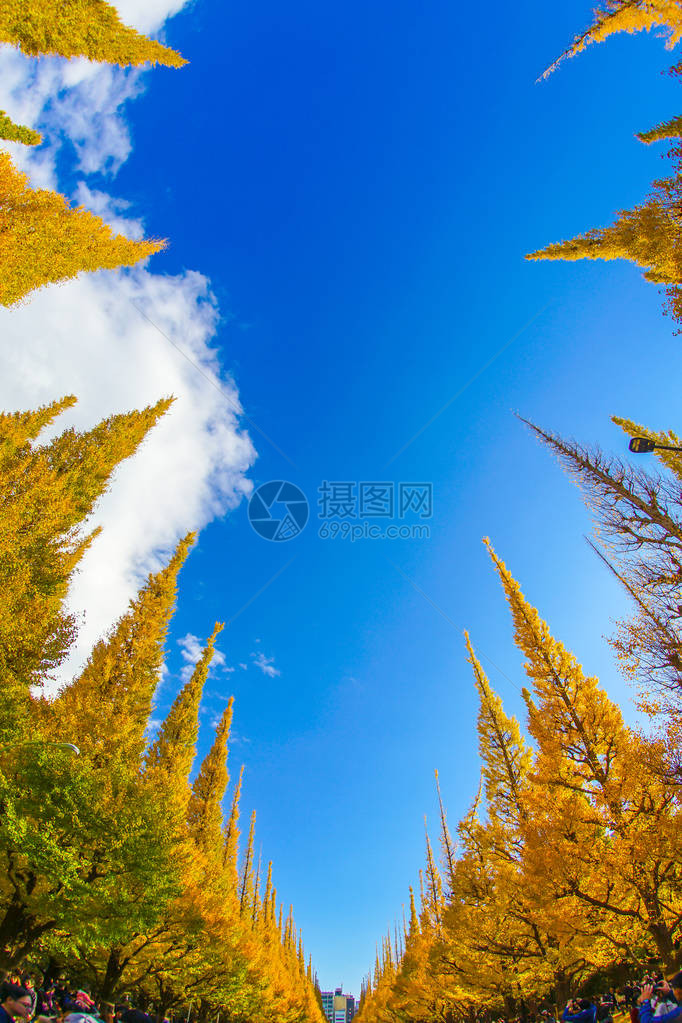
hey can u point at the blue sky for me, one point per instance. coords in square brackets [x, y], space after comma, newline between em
[360, 184]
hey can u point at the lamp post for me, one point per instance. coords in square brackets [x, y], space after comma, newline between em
[644, 446]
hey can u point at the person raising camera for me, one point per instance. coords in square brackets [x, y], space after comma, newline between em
[662, 1001]
[579, 1010]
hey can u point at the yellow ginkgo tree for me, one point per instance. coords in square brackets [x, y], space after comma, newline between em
[114, 861]
[79, 28]
[43, 239]
[613, 16]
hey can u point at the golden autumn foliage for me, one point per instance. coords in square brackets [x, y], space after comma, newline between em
[204, 813]
[113, 862]
[44, 240]
[48, 491]
[648, 235]
[79, 28]
[173, 750]
[671, 129]
[612, 816]
[568, 861]
[630, 16]
[17, 132]
[121, 676]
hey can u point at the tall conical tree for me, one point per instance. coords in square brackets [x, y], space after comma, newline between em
[246, 886]
[268, 916]
[608, 818]
[231, 842]
[574, 712]
[79, 28]
[505, 756]
[204, 814]
[434, 887]
[165, 780]
[522, 929]
[447, 845]
[47, 492]
[43, 240]
[77, 832]
[255, 909]
[118, 683]
[173, 751]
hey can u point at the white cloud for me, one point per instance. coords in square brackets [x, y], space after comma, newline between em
[72, 103]
[78, 102]
[191, 649]
[265, 664]
[147, 15]
[90, 113]
[87, 338]
[236, 739]
[109, 209]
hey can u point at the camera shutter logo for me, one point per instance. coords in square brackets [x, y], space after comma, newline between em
[278, 510]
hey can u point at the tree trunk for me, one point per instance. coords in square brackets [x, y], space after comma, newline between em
[562, 990]
[51, 972]
[19, 930]
[666, 949]
[112, 975]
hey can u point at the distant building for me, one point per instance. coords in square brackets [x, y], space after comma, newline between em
[338, 1007]
[328, 1005]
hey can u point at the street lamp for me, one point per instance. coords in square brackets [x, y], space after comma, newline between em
[643, 446]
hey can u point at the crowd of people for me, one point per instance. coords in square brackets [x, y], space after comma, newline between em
[650, 999]
[58, 1001]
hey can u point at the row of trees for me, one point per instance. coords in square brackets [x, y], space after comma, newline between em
[115, 867]
[43, 239]
[569, 862]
